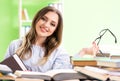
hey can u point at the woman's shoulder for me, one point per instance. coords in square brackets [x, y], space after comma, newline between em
[61, 49]
[16, 42]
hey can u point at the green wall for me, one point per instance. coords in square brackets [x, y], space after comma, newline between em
[8, 24]
[33, 6]
[83, 20]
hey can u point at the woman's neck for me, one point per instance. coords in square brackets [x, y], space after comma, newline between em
[40, 40]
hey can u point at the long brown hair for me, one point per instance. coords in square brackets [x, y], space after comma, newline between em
[51, 43]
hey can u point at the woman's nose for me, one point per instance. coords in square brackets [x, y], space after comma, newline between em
[46, 24]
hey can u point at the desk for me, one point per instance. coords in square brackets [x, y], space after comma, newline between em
[18, 79]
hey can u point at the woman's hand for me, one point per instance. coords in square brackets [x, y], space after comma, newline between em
[90, 51]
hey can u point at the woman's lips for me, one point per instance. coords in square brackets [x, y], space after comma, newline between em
[43, 29]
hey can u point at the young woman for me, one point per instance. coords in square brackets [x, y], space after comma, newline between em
[40, 49]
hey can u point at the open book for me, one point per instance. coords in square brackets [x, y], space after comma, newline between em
[11, 64]
[99, 73]
[93, 74]
[103, 71]
[56, 75]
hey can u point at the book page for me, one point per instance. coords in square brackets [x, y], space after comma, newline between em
[96, 69]
[57, 71]
[102, 70]
[21, 73]
[4, 68]
[114, 73]
[92, 74]
[58, 74]
[48, 73]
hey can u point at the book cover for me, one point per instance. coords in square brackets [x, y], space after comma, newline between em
[14, 63]
[55, 75]
[84, 61]
[1, 74]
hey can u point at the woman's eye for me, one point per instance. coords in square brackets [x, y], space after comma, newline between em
[43, 18]
[53, 24]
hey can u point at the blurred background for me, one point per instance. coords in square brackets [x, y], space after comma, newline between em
[83, 20]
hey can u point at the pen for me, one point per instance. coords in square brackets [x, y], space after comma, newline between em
[101, 53]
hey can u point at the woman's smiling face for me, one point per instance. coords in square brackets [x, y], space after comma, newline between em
[47, 24]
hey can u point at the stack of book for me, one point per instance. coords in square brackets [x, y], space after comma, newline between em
[114, 63]
[105, 69]
[89, 61]
[99, 73]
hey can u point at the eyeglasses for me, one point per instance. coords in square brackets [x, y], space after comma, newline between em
[101, 34]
